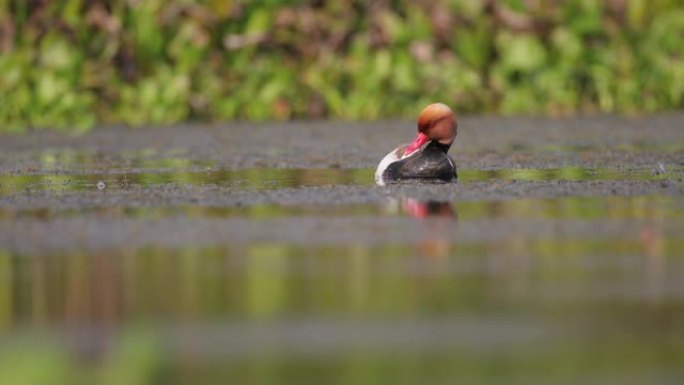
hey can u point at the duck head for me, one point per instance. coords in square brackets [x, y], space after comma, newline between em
[435, 123]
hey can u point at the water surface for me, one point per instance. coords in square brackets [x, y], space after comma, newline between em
[181, 271]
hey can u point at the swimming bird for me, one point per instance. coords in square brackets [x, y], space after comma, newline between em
[426, 157]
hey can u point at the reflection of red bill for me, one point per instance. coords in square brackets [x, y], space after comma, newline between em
[423, 209]
[415, 208]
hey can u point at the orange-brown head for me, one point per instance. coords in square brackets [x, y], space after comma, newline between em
[436, 122]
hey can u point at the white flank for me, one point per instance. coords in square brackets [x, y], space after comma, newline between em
[382, 166]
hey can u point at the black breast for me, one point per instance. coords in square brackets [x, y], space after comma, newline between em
[432, 163]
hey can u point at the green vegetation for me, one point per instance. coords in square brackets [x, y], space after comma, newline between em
[73, 63]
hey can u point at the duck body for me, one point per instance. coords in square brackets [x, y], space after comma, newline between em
[430, 163]
[426, 158]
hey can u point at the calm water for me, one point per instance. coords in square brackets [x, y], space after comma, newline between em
[404, 291]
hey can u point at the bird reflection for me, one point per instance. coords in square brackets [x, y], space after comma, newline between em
[439, 229]
[430, 208]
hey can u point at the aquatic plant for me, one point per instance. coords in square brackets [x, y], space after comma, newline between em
[72, 63]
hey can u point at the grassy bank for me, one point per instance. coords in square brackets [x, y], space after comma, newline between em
[70, 64]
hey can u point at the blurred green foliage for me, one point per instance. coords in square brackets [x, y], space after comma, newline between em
[73, 63]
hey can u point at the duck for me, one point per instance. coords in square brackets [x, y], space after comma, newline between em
[426, 158]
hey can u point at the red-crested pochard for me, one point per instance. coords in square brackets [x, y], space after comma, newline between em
[426, 157]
